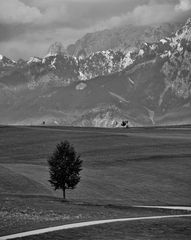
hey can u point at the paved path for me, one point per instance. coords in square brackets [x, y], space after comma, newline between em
[86, 224]
[184, 208]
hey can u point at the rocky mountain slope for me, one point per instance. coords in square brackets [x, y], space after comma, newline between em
[123, 38]
[149, 85]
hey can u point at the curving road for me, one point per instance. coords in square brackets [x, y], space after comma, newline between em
[183, 208]
[86, 224]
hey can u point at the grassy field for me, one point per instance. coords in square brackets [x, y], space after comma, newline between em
[136, 166]
[23, 213]
[122, 167]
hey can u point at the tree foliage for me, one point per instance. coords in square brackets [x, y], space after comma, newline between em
[64, 167]
[125, 124]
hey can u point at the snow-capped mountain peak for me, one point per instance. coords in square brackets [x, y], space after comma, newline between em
[34, 60]
[50, 54]
[184, 32]
[4, 61]
[55, 49]
[188, 22]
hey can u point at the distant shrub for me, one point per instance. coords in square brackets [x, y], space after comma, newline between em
[125, 124]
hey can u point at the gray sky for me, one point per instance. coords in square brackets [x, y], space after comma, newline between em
[28, 27]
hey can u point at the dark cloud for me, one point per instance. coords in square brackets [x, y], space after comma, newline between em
[8, 32]
[28, 27]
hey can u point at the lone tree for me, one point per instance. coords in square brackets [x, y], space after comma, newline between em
[64, 167]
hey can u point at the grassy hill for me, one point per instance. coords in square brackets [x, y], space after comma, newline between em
[135, 166]
[122, 167]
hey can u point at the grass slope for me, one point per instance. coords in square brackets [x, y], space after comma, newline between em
[13, 182]
[135, 166]
[121, 167]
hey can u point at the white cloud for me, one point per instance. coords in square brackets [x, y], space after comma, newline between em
[184, 5]
[41, 22]
[150, 13]
[14, 12]
[143, 15]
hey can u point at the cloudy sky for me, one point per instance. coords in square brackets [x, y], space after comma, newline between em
[28, 27]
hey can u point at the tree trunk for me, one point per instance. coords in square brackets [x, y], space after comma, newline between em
[64, 193]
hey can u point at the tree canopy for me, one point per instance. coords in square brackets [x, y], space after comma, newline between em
[65, 166]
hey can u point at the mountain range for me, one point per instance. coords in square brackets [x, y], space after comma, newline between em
[137, 74]
[124, 38]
